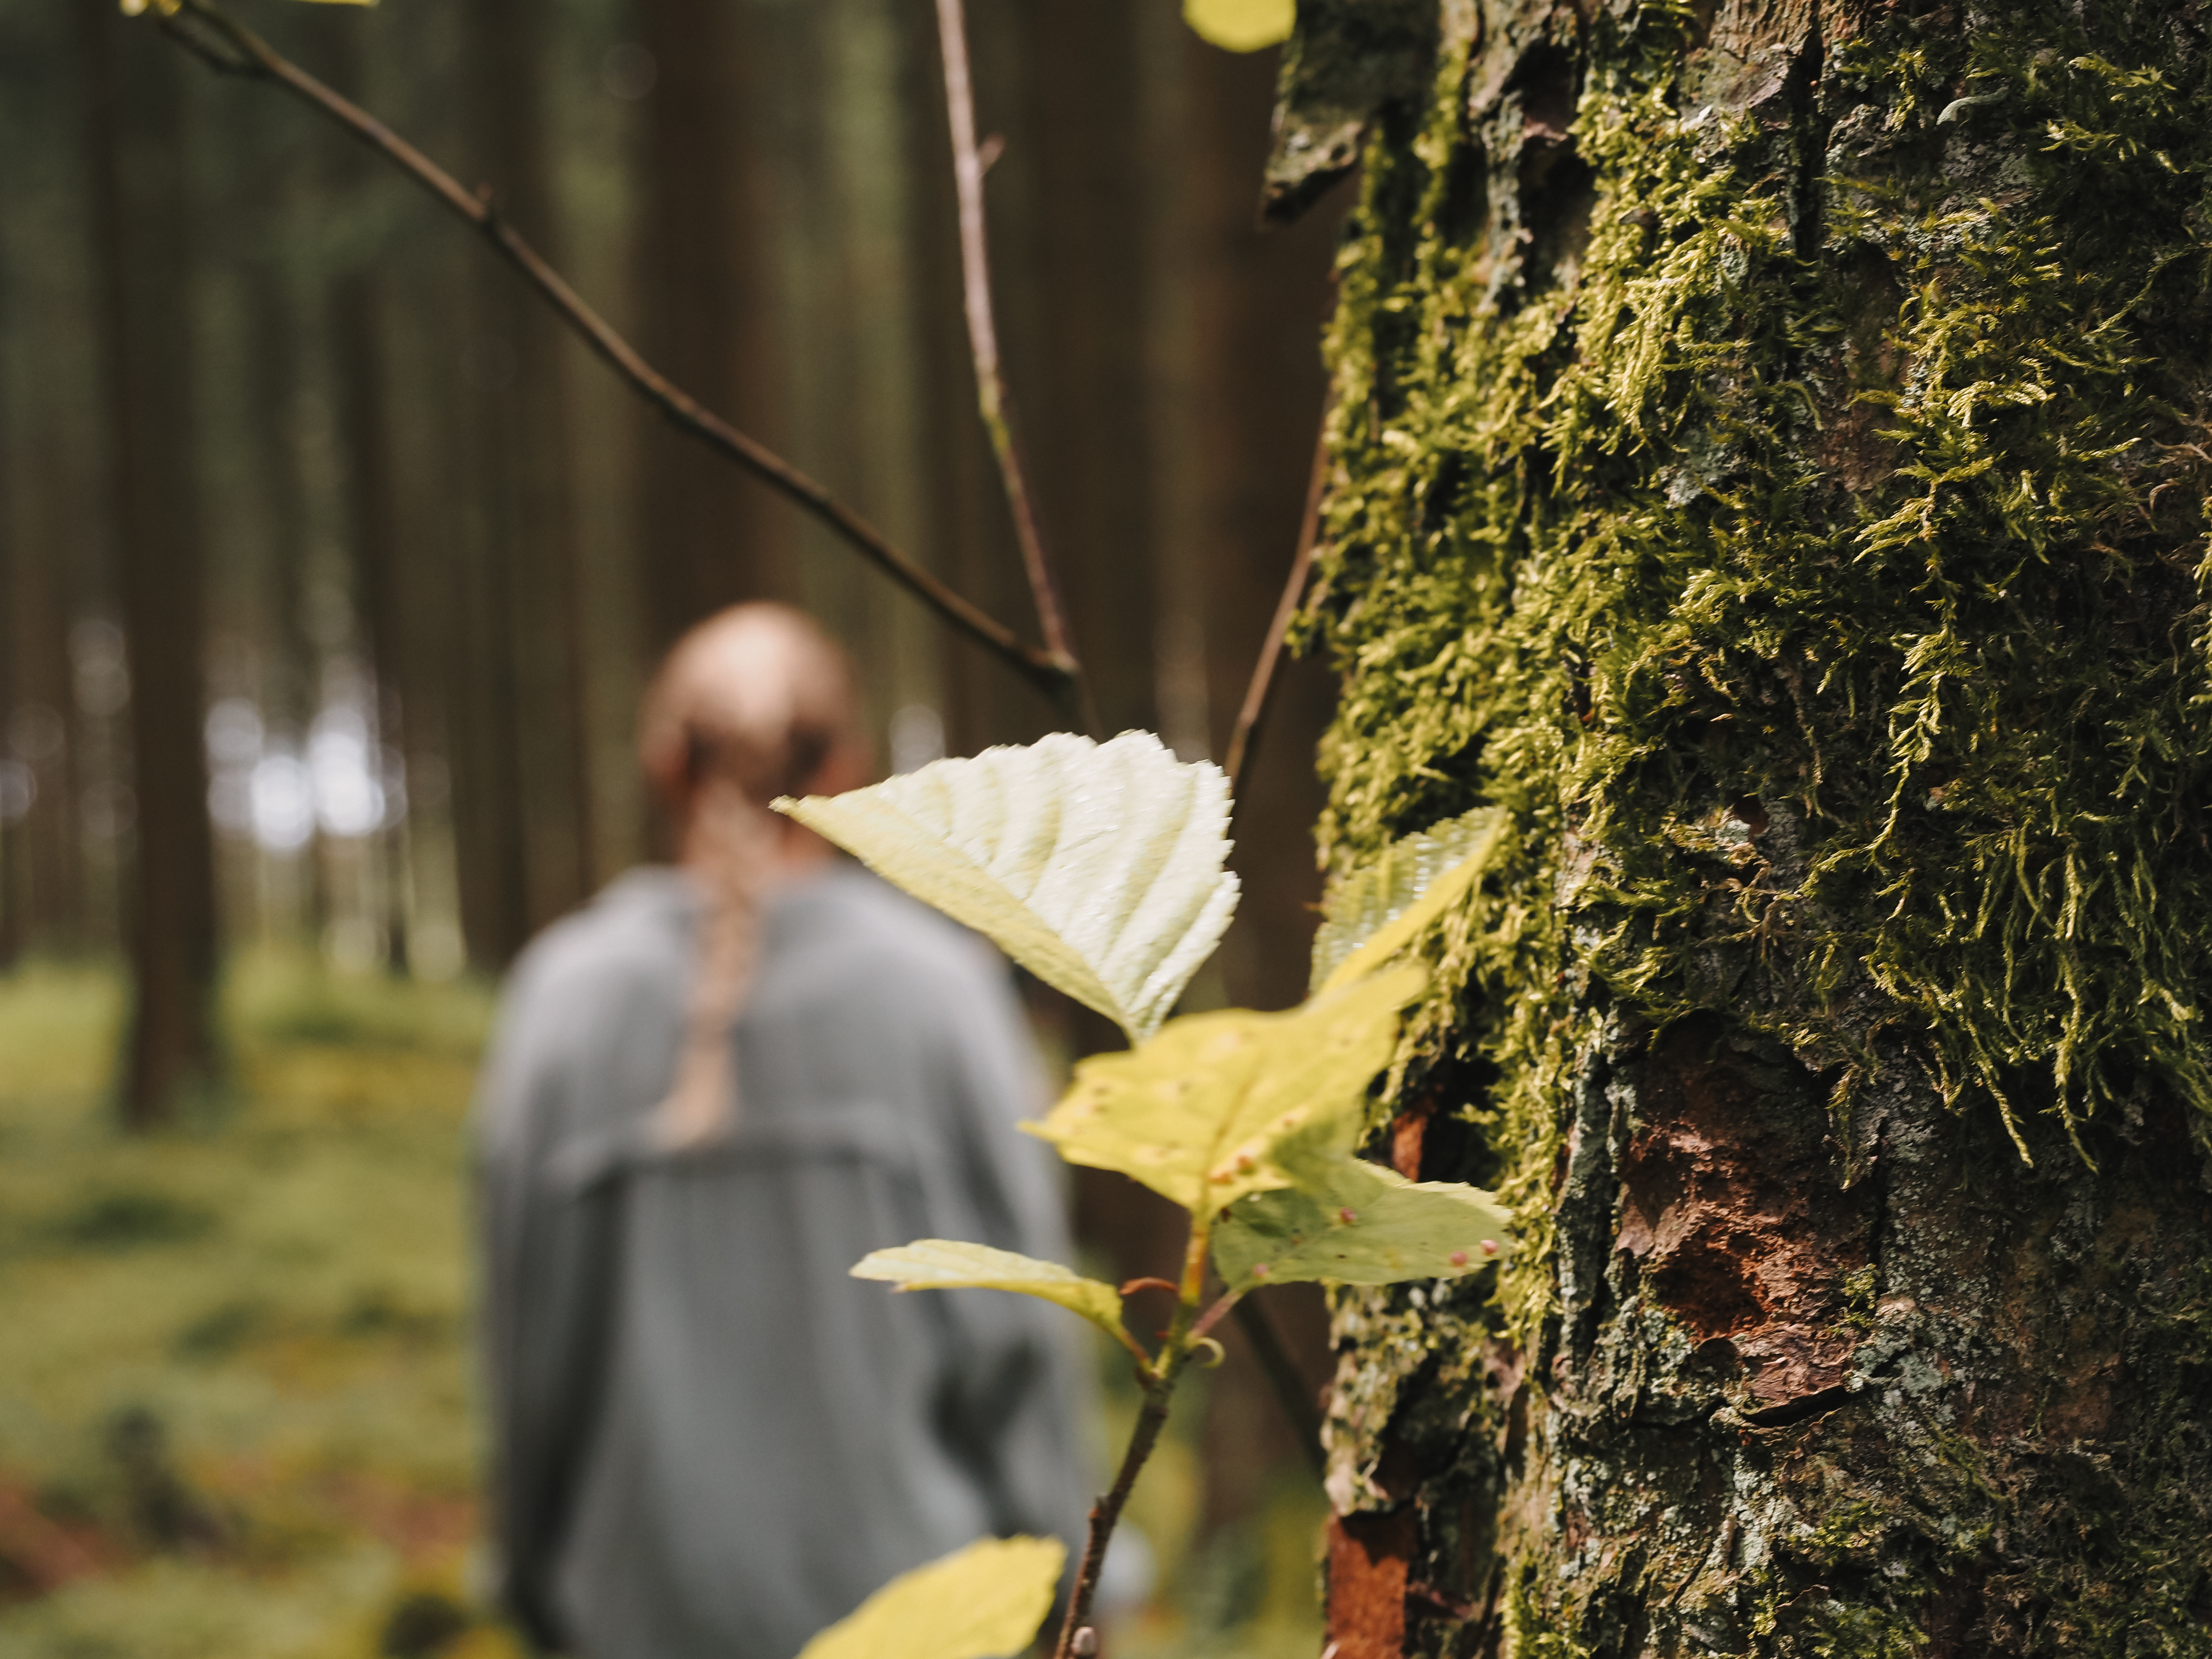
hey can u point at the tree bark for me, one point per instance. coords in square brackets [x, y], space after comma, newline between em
[141, 217]
[1770, 477]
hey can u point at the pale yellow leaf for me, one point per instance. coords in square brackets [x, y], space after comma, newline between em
[1096, 866]
[1351, 1222]
[1196, 1113]
[983, 1602]
[1241, 25]
[944, 1264]
[1382, 908]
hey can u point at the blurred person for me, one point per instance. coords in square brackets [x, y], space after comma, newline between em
[711, 1092]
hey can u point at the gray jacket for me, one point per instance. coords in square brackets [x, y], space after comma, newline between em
[707, 1439]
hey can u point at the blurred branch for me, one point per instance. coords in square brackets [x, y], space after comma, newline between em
[992, 398]
[1261, 692]
[243, 52]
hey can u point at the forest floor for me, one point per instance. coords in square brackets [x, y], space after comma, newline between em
[236, 1412]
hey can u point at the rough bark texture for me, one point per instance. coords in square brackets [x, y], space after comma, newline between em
[1770, 470]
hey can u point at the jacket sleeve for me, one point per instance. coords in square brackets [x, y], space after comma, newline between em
[1022, 1413]
[547, 1257]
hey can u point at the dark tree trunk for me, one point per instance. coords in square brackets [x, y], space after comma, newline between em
[1078, 298]
[38, 730]
[708, 536]
[364, 422]
[1769, 477]
[533, 549]
[142, 210]
[358, 347]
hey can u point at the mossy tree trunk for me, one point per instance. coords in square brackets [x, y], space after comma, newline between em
[1770, 468]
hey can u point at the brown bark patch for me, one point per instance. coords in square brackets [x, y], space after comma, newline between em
[1743, 1231]
[1368, 1555]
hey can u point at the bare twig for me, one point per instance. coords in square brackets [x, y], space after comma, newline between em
[1106, 1513]
[991, 397]
[1260, 692]
[1051, 669]
[1159, 1380]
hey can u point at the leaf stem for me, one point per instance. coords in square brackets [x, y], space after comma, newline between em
[1151, 1417]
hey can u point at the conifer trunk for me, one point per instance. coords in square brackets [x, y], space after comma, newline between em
[141, 213]
[1770, 473]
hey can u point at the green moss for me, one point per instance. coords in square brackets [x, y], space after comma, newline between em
[1829, 472]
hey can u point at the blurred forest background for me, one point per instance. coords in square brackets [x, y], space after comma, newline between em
[330, 570]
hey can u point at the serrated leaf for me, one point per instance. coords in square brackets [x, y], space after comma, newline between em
[945, 1264]
[1241, 25]
[1096, 866]
[1351, 1222]
[1378, 910]
[1196, 1113]
[985, 1602]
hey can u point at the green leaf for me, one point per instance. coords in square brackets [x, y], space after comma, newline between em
[1241, 25]
[1378, 910]
[1096, 866]
[983, 1602]
[1351, 1222]
[944, 1264]
[1196, 1113]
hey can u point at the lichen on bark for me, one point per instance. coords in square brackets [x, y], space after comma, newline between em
[1772, 465]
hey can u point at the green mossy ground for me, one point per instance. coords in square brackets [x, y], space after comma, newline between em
[237, 1414]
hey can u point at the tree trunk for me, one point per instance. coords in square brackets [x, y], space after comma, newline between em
[533, 591]
[709, 535]
[1768, 476]
[360, 344]
[141, 215]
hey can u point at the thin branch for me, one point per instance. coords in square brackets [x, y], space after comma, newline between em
[1159, 1390]
[991, 397]
[1260, 692]
[1051, 669]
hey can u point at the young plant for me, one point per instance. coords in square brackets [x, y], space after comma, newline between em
[1099, 868]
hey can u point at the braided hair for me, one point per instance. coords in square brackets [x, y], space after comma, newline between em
[750, 704]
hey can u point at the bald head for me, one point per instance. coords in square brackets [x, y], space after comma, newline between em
[757, 696]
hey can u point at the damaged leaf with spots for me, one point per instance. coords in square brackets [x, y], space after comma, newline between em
[1197, 1113]
[1346, 1221]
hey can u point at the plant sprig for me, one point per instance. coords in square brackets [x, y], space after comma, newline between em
[1099, 866]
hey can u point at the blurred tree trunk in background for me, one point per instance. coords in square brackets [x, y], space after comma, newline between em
[358, 296]
[142, 216]
[13, 864]
[39, 732]
[1238, 461]
[531, 741]
[1078, 298]
[708, 534]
